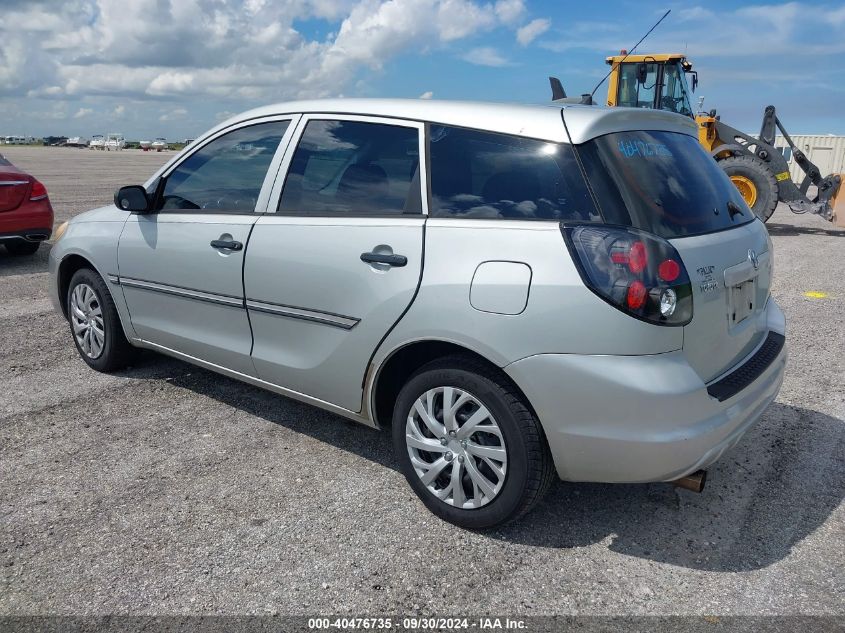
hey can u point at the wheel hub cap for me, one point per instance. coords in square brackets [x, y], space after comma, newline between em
[86, 319]
[456, 447]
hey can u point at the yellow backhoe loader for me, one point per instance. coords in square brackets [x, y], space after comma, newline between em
[755, 165]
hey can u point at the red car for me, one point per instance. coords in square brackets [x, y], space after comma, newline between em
[26, 217]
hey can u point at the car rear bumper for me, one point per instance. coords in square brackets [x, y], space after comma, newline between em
[641, 418]
[32, 221]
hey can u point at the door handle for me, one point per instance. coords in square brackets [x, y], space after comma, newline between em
[384, 258]
[229, 245]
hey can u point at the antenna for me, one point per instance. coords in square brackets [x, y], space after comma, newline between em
[598, 85]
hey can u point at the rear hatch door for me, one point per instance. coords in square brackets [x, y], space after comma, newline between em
[663, 182]
[731, 273]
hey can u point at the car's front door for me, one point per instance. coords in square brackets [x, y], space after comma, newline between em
[181, 266]
[332, 270]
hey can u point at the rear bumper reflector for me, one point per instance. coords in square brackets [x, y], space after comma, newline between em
[750, 371]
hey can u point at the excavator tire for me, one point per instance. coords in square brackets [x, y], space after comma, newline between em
[755, 182]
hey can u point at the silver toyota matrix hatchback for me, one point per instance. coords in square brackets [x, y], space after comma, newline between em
[518, 291]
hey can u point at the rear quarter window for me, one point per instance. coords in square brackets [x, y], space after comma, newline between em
[477, 174]
[661, 182]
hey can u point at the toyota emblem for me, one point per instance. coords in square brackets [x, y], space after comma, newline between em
[752, 257]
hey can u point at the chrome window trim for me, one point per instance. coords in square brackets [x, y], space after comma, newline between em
[279, 181]
[12, 183]
[304, 314]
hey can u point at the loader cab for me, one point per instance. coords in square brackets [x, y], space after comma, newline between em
[658, 82]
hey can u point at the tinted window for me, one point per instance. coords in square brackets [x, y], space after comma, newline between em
[662, 182]
[485, 175]
[226, 174]
[3, 161]
[349, 167]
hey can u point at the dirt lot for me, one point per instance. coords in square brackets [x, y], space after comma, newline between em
[169, 489]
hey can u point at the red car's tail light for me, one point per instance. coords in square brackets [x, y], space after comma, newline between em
[39, 191]
[636, 272]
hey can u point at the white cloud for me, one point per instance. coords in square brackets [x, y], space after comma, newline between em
[226, 49]
[509, 11]
[83, 112]
[485, 56]
[175, 114]
[531, 31]
[428, 94]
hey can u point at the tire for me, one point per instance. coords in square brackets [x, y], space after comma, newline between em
[749, 172]
[528, 469]
[107, 348]
[20, 248]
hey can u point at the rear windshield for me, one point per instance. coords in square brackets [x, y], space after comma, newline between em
[661, 182]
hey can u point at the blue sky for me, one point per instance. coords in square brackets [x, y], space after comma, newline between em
[176, 67]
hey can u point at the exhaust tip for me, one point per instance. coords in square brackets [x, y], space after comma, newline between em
[36, 237]
[694, 481]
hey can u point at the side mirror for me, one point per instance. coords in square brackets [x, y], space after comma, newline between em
[132, 198]
[642, 72]
[694, 80]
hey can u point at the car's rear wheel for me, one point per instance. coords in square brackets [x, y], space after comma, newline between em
[19, 248]
[94, 323]
[468, 445]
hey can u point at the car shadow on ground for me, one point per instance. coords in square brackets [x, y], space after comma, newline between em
[24, 264]
[791, 230]
[762, 498]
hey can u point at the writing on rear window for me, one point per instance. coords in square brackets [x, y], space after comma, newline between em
[631, 148]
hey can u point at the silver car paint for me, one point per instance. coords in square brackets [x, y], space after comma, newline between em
[321, 339]
[712, 257]
[167, 266]
[315, 356]
[583, 124]
[181, 292]
[550, 349]
[562, 315]
[92, 235]
[639, 418]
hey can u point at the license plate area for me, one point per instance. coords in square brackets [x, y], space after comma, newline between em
[742, 299]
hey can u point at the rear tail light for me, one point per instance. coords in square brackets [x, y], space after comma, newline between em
[39, 191]
[636, 272]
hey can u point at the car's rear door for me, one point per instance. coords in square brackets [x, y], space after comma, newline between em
[181, 266]
[333, 268]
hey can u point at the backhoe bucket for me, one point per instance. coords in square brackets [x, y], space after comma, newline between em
[837, 203]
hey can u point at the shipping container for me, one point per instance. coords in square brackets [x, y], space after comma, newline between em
[826, 151]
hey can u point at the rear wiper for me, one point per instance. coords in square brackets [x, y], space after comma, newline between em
[734, 209]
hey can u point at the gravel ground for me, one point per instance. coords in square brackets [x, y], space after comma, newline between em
[167, 489]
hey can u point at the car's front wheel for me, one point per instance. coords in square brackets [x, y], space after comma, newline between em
[468, 445]
[95, 324]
